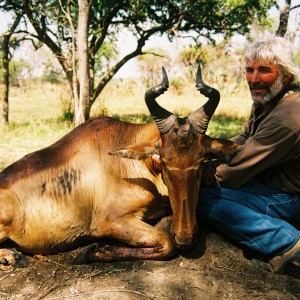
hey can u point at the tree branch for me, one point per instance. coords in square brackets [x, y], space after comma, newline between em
[284, 18]
[294, 7]
[138, 51]
[45, 38]
[98, 41]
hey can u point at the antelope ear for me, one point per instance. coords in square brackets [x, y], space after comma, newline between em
[221, 147]
[139, 151]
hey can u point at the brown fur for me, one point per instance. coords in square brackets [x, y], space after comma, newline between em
[73, 190]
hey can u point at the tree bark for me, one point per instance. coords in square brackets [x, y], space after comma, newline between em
[5, 90]
[82, 109]
[4, 97]
[284, 18]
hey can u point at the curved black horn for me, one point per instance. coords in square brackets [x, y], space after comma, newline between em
[201, 117]
[163, 118]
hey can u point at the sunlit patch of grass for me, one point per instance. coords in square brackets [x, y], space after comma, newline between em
[35, 101]
[134, 118]
[221, 125]
[19, 139]
[114, 102]
[224, 126]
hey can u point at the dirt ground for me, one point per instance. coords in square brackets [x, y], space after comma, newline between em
[214, 269]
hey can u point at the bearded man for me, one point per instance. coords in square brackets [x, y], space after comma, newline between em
[257, 199]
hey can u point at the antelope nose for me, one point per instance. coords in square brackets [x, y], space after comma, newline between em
[186, 241]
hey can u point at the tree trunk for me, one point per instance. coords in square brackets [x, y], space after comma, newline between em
[4, 96]
[284, 18]
[82, 109]
[5, 91]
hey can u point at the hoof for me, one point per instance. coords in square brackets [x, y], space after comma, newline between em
[10, 258]
[82, 257]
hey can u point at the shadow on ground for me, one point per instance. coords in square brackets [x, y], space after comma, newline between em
[217, 271]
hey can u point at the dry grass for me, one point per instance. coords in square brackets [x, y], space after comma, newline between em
[37, 101]
[34, 113]
[114, 102]
[33, 125]
[19, 140]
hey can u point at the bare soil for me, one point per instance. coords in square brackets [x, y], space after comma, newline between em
[214, 269]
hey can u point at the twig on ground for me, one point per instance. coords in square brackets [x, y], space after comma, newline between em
[41, 257]
[47, 292]
[102, 291]
[2, 278]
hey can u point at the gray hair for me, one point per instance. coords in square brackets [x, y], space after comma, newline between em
[278, 51]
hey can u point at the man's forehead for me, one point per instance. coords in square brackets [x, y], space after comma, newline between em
[261, 63]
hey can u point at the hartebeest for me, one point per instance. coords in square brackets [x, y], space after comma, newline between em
[78, 189]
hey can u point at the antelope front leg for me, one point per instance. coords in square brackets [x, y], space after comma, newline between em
[147, 241]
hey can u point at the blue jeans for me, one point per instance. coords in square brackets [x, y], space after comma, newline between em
[255, 215]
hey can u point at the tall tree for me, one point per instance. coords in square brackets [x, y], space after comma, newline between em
[83, 61]
[6, 44]
[69, 28]
[284, 13]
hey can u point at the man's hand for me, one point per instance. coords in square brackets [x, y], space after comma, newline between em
[208, 178]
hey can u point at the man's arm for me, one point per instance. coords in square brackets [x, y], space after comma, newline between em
[265, 149]
[241, 138]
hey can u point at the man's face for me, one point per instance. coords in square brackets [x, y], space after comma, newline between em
[265, 80]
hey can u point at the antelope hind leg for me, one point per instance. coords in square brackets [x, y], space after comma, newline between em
[11, 258]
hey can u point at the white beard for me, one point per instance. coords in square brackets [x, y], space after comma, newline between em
[270, 93]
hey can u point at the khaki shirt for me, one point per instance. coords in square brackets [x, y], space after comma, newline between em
[270, 148]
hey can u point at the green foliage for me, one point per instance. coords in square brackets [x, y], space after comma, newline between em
[67, 114]
[67, 108]
[150, 65]
[18, 69]
[51, 73]
[226, 17]
[105, 57]
[221, 65]
[193, 55]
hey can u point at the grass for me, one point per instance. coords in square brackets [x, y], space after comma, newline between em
[35, 102]
[19, 139]
[224, 126]
[35, 114]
